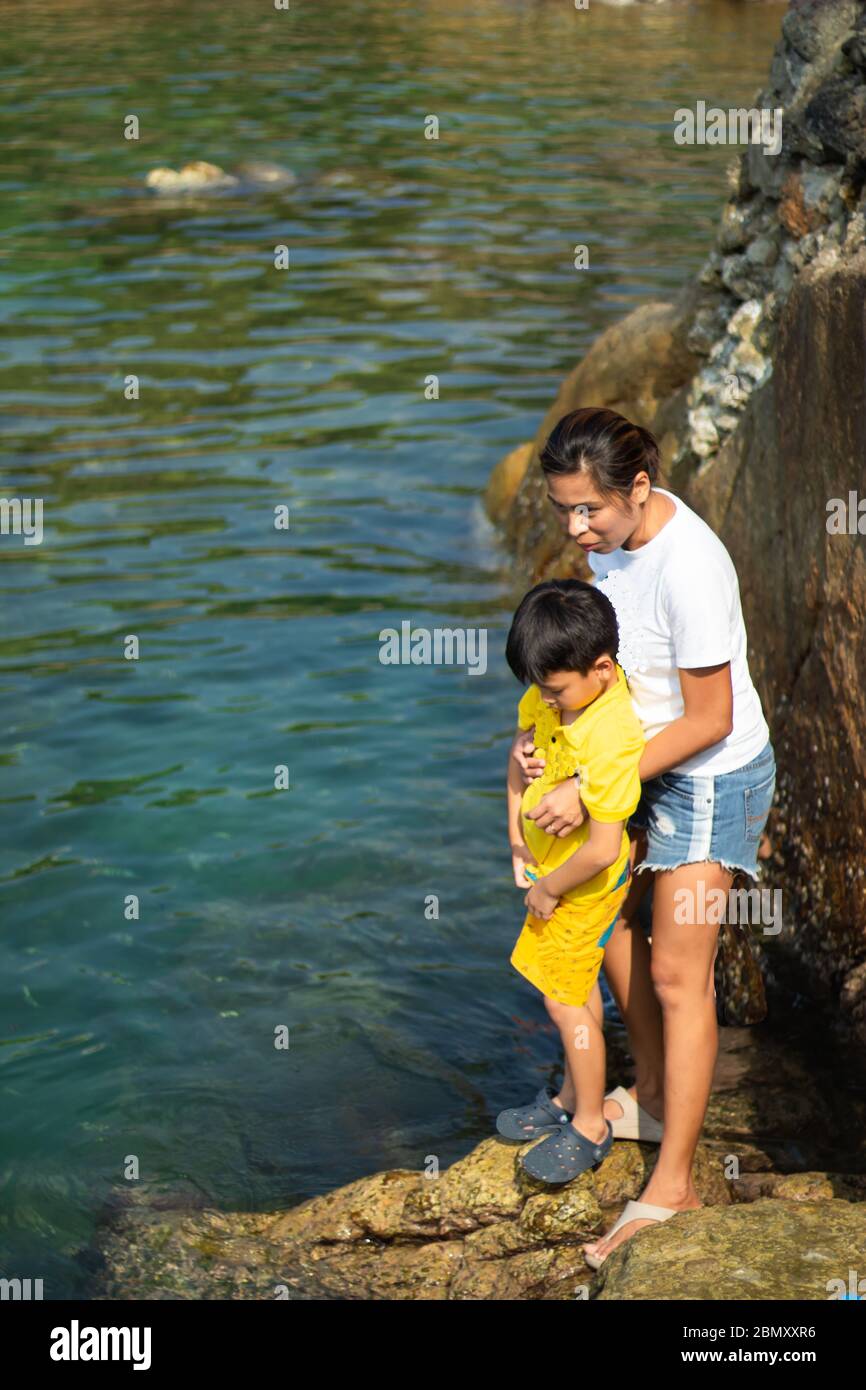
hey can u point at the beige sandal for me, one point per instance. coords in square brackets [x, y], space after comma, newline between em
[632, 1211]
[634, 1122]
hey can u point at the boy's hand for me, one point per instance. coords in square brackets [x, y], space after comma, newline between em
[539, 902]
[522, 752]
[521, 855]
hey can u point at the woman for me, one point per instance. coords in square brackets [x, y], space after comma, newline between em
[708, 774]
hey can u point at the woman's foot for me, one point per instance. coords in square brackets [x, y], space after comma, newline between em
[651, 1101]
[656, 1195]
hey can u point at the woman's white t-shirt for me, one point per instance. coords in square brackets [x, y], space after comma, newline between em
[677, 603]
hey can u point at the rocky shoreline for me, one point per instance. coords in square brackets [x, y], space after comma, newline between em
[781, 1171]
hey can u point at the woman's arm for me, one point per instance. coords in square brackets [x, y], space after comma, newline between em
[708, 717]
[708, 705]
[521, 855]
[560, 810]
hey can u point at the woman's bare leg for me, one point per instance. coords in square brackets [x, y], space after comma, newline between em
[627, 971]
[683, 952]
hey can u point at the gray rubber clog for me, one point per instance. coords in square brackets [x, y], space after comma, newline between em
[565, 1155]
[531, 1121]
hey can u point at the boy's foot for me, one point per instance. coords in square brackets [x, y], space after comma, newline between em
[566, 1154]
[597, 1133]
[530, 1121]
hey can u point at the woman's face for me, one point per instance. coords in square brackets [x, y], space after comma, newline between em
[601, 523]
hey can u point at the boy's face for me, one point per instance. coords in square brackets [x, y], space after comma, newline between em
[600, 523]
[571, 690]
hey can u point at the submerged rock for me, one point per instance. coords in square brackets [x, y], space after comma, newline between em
[202, 177]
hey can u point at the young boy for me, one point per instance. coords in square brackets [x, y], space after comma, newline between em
[564, 639]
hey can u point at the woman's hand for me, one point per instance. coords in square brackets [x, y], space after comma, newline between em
[560, 810]
[539, 902]
[522, 753]
[521, 855]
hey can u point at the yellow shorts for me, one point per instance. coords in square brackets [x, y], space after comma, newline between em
[562, 957]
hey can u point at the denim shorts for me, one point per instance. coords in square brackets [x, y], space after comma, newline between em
[693, 819]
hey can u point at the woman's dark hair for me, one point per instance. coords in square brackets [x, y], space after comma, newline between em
[561, 625]
[605, 445]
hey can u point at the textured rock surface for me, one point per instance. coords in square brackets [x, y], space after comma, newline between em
[802, 441]
[623, 3]
[766, 1250]
[505, 480]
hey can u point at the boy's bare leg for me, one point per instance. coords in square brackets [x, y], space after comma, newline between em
[627, 971]
[583, 1045]
[567, 1094]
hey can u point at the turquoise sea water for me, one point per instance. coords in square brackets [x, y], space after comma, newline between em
[303, 908]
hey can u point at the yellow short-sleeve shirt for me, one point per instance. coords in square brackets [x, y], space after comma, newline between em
[604, 745]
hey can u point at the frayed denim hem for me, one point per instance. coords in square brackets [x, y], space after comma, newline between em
[665, 868]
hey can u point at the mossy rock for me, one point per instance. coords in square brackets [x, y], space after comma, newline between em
[770, 1249]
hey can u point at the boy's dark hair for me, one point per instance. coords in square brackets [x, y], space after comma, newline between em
[561, 625]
